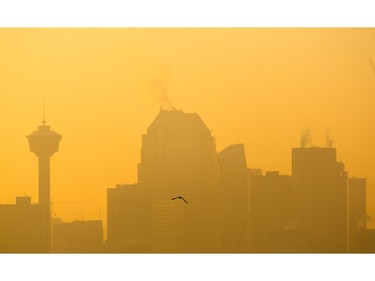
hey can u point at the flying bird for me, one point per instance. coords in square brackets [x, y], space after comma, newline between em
[179, 197]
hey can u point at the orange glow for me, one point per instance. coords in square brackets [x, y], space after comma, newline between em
[103, 87]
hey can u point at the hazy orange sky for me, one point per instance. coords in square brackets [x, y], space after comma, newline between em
[103, 87]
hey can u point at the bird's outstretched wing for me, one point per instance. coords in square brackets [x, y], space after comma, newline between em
[179, 197]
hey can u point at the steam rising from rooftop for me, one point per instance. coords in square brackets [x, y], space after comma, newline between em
[329, 141]
[156, 83]
[305, 138]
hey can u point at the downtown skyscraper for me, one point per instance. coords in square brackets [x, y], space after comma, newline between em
[179, 158]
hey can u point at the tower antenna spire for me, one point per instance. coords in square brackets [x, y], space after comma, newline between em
[44, 143]
[44, 111]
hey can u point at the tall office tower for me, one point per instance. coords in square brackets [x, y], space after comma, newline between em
[320, 189]
[233, 181]
[271, 213]
[178, 158]
[129, 219]
[44, 143]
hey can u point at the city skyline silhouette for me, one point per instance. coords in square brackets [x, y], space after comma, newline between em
[317, 209]
[101, 145]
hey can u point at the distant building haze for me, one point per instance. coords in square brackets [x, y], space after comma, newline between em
[223, 205]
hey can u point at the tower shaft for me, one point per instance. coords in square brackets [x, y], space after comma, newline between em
[44, 143]
[44, 180]
[44, 203]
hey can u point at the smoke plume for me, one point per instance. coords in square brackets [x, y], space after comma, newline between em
[329, 141]
[156, 83]
[305, 137]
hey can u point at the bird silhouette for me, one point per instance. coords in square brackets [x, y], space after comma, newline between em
[179, 197]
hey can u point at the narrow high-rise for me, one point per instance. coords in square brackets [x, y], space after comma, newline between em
[44, 143]
[233, 182]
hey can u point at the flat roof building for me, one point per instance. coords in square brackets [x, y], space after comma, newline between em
[271, 201]
[320, 197]
[78, 237]
[20, 227]
[129, 219]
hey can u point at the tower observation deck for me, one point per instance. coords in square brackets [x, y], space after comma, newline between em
[44, 143]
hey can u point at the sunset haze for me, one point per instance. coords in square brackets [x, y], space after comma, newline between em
[102, 88]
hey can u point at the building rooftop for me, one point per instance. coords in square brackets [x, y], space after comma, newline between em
[178, 120]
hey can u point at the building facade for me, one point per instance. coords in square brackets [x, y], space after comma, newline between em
[179, 159]
[272, 220]
[78, 237]
[320, 197]
[20, 227]
[129, 219]
[233, 180]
